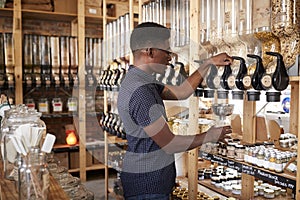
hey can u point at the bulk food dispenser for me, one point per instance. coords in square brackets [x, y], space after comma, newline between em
[207, 49]
[9, 59]
[28, 78]
[36, 61]
[64, 43]
[262, 31]
[2, 64]
[49, 59]
[285, 25]
[245, 28]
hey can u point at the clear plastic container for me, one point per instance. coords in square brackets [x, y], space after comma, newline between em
[231, 36]
[284, 26]
[262, 31]
[205, 24]
[217, 23]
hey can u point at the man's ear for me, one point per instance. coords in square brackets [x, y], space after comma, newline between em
[149, 52]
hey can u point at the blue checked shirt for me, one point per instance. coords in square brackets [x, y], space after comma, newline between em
[147, 169]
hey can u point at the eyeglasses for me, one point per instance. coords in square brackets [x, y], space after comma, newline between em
[166, 51]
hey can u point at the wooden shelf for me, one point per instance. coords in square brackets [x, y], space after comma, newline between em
[69, 148]
[98, 19]
[206, 183]
[6, 12]
[44, 15]
[280, 179]
[53, 16]
[114, 139]
[294, 78]
[89, 168]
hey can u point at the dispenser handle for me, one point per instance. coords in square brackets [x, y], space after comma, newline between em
[280, 78]
[241, 73]
[258, 73]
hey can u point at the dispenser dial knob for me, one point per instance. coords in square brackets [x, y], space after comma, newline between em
[247, 82]
[217, 81]
[231, 81]
[266, 81]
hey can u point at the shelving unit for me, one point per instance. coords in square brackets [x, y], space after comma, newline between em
[78, 23]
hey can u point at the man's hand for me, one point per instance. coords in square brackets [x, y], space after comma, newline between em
[215, 134]
[221, 59]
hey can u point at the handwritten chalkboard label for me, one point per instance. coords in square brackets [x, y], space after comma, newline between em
[250, 170]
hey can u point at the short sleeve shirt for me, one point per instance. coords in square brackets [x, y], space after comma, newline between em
[147, 169]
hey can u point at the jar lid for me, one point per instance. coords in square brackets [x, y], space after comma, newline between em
[268, 191]
[240, 146]
[237, 187]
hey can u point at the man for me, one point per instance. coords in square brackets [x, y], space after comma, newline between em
[148, 167]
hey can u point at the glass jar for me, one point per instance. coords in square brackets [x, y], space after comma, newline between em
[254, 156]
[30, 103]
[272, 161]
[72, 104]
[57, 105]
[236, 189]
[267, 160]
[43, 105]
[269, 194]
[250, 155]
[230, 150]
[240, 151]
[260, 158]
[26, 124]
[90, 104]
[99, 103]
[278, 164]
[33, 176]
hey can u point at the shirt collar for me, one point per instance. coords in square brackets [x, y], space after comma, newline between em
[147, 77]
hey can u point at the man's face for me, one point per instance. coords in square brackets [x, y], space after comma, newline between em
[161, 57]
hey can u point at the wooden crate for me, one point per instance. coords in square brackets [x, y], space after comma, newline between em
[63, 158]
[74, 160]
[98, 156]
[65, 6]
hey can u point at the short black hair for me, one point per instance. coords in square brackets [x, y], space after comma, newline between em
[146, 34]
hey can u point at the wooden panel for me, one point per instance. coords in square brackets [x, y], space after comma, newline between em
[17, 34]
[249, 128]
[81, 101]
[261, 129]
[294, 107]
[194, 101]
[295, 99]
